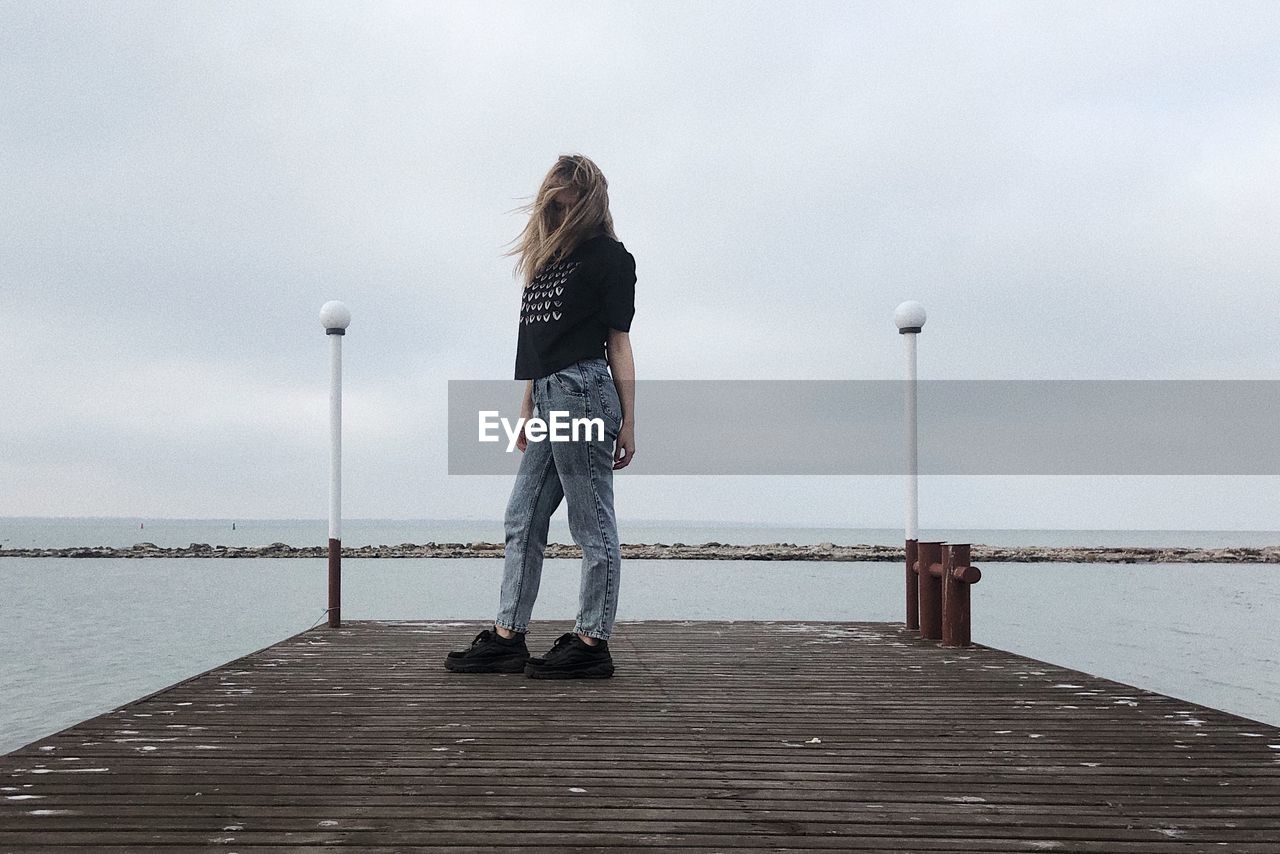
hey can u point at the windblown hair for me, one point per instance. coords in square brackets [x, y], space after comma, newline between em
[541, 241]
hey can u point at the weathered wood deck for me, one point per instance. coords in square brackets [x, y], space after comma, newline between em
[712, 736]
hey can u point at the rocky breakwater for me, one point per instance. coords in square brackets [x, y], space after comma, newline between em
[683, 551]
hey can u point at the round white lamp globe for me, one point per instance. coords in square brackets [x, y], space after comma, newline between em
[909, 316]
[334, 315]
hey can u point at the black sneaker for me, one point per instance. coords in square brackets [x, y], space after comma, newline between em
[490, 652]
[572, 658]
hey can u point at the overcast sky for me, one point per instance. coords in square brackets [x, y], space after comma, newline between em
[1073, 190]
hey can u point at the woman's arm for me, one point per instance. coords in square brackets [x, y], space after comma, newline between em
[526, 412]
[623, 368]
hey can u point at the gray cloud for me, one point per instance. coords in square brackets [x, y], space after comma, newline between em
[1074, 190]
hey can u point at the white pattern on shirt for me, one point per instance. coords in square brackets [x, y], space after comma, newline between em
[544, 296]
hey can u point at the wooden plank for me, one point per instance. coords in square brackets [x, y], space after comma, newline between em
[712, 736]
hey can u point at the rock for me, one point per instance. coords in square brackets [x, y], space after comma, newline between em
[681, 551]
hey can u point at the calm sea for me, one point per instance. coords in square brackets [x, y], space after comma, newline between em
[83, 636]
[123, 532]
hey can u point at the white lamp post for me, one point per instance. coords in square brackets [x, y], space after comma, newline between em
[909, 317]
[335, 317]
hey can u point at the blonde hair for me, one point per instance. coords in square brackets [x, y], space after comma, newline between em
[542, 241]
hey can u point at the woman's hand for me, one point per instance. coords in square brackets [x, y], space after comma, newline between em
[625, 447]
[622, 366]
[522, 440]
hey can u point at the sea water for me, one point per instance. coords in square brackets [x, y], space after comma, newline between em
[84, 636]
[18, 533]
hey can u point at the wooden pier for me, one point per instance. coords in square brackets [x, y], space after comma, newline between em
[712, 736]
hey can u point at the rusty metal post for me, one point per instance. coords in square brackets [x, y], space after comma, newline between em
[929, 571]
[335, 583]
[335, 317]
[913, 586]
[957, 577]
[955, 595]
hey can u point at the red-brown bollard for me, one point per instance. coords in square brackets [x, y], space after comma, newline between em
[335, 583]
[913, 588]
[929, 554]
[957, 576]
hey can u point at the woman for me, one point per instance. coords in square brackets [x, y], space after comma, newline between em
[579, 299]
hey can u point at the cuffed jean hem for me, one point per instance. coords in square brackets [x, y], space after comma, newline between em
[577, 630]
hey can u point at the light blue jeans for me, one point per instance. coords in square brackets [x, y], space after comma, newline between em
[582, 472]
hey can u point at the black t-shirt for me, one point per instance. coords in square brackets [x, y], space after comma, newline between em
[572, 303]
